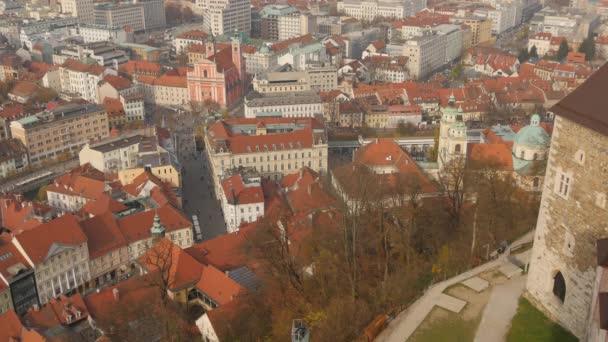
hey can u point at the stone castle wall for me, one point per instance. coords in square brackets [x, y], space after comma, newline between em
[568, 228]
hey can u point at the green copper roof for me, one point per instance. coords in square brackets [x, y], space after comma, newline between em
[157, 227]
[533, 135]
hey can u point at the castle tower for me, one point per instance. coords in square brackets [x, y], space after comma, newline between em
[452, 134]
[567, 268]
[157, 230]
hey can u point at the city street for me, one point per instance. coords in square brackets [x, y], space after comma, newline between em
[199, 198]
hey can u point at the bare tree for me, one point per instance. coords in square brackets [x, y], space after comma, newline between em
[158, 260]
[451, 181]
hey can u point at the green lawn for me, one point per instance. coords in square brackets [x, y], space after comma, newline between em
[531, 325]
[446, 329]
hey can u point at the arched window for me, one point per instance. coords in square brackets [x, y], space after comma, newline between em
[521, 155]
[457, 149]
[535, 156]
[535, 182]
[204, 73]
[559, 286]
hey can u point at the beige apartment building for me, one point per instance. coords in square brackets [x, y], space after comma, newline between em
[63, 130]
[283, 81]
[481, 29]
[271, 146]
[165, 90]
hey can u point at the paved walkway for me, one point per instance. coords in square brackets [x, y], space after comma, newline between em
[406, 323]
[499, 311]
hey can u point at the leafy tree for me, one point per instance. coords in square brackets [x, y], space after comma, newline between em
[563, 50]
[42, 193]
[588, 47]
[533, 53]
[456, 72]
[404, 129]
[523, 55]
[44, 95]
[187, 14]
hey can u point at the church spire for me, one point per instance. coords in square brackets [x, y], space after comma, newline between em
[157, 230]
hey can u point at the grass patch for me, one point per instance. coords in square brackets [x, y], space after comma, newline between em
[448, 327]
[529, 324]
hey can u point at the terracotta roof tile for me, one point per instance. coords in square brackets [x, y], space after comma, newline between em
[24, 89]
[226, 251]
[119, 83]
[38, 241]
[54, 313]
[11, 327]
[284, 45]
[103, 235]
[137, 226]
[218, 286]
[74, 65]
[498, 155]
[237, 192]
[184, 270]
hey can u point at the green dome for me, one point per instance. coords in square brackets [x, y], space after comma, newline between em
[533, 135]
[264, 49]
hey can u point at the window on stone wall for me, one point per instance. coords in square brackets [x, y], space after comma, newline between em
[536, 182]
[559, 286]
[563, 184]
[579, 157]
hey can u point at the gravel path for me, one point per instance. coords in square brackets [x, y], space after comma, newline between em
[500, 310]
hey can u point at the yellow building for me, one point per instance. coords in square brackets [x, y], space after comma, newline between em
[481, 30]
[166, 173]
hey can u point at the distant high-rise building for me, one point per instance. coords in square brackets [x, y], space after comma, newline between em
[82, 9]
[154, 14]
[226, 16]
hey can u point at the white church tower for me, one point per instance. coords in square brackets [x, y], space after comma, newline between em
[452, 135]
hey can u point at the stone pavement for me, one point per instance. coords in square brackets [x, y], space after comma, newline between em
[450, 303]
[476, 284]
[406, 323]
[499, 311]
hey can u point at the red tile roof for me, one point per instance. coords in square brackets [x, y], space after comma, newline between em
[132, 295]
[237, 192]
[193, 35]
[119, 83]
[84, 181]
[284, 45]
[497, 155]
[382, 152]
[103, 235]
[218, 286]
[137, 226]
[11, 112]
[220, 132]
[38, 241]
[19, 215]
[74, 65]
[165, 81]
[55, 313]
[182, 269]
[226, 252]
[24, 89]
[113, 107]
[137, 67]
[11, 327]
